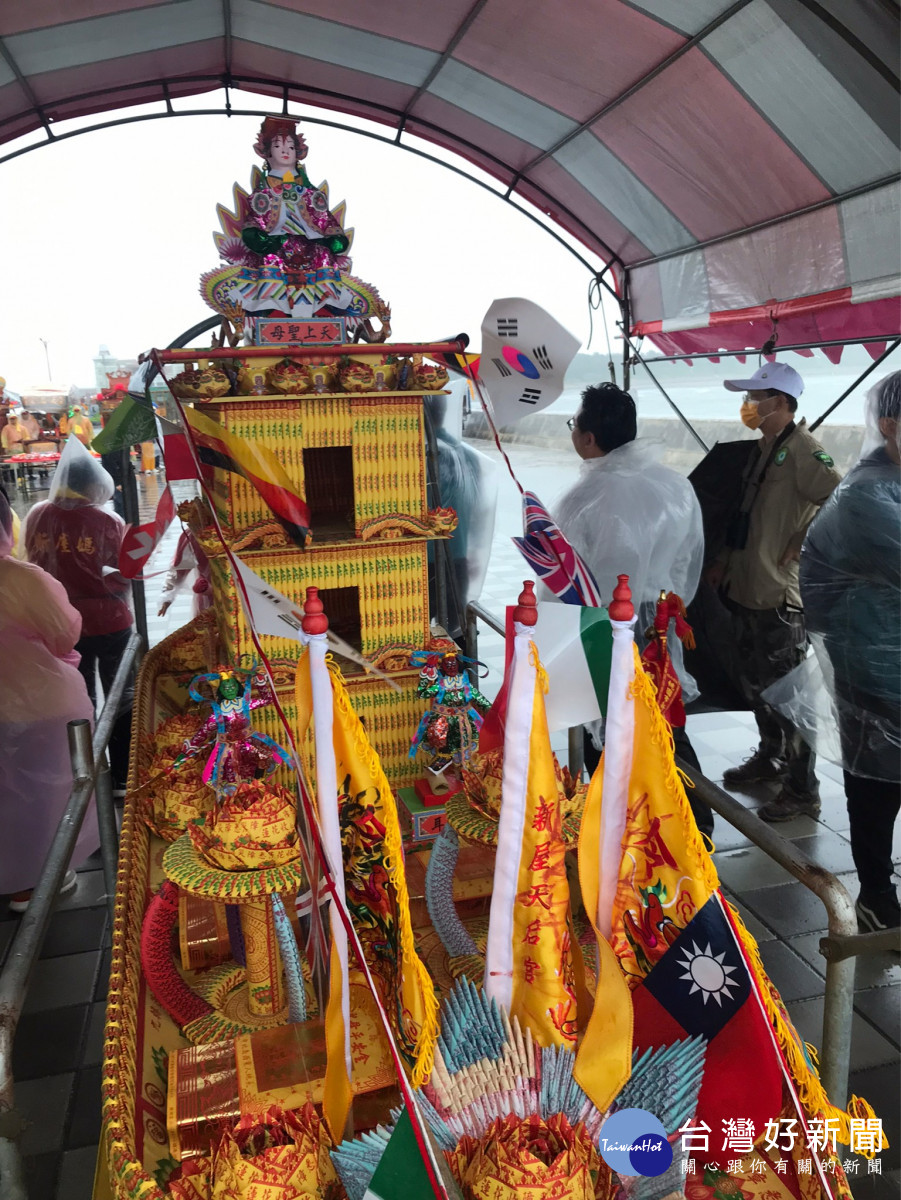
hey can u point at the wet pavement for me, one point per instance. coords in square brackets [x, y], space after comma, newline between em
[59, 1041]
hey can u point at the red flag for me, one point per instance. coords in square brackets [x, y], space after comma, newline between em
[491, 734]
[701, 984]
[140, 541]
[177, 455]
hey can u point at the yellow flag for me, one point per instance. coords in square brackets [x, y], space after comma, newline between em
[633, 794]
[604, 1059]
[531, 958]
[337, 1092]
[664, 860]
[374, 877]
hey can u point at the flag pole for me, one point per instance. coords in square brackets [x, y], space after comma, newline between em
[315, 626]
[499, 950]
[619, 736]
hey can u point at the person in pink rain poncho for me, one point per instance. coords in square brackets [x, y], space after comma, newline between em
[42, 691]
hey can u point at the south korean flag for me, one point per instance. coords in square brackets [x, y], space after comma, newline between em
[525, 354]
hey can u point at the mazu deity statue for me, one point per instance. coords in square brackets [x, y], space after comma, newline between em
[286, 249]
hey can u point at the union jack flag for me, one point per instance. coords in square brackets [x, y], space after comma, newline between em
[552, 558]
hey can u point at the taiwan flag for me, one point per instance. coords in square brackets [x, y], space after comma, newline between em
[702, 986]
[653, 894]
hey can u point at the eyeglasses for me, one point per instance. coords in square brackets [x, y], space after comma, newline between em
[571, 424]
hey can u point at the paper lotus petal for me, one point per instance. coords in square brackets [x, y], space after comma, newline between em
[177, 795]
[528, 1154]
[266, 1155]
[255, 828]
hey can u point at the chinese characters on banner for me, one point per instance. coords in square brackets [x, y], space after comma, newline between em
[329, 332]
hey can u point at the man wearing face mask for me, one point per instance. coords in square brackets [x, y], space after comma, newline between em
[783, 486]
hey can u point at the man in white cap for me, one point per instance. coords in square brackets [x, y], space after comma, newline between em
[757, 573]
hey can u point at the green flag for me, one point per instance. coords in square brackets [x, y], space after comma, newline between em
[401, 1173]
[575, 645]
[131, 422]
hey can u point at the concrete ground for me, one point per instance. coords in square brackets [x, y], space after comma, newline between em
[59, 1040]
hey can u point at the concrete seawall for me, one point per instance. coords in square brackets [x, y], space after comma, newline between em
[682, 452]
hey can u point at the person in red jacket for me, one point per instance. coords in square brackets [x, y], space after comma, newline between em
[76, 538]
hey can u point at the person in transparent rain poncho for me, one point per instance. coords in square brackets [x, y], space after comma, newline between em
[629, 514]
[467, 483]
[846, 698]
[76, 538]
[42, 692]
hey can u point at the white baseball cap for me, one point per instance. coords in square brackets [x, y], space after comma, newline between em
[779, 376]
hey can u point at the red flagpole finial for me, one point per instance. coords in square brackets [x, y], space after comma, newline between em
[526, 611]
[621, 608]
[314, 618]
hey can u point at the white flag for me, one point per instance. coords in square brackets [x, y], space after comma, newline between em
[270, 611]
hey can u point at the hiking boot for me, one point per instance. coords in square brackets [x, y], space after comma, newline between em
[877, 912]
[759, 768]
[786, 805]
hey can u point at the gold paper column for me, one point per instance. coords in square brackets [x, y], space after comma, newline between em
[265, 984]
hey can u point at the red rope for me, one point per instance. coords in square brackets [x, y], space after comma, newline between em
[416, 1118]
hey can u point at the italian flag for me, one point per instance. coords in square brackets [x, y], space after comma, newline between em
[576, 645]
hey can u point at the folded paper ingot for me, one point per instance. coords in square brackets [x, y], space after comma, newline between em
[254, 829]
[207, 383]
[168, 738]
[428, 376]
[288, 378]
[274, 1154]
[179, 799]
[354, 376]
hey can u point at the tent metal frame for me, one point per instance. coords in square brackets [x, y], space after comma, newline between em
[647, 363]
[227, 83]
[690, 356]
[621, 296]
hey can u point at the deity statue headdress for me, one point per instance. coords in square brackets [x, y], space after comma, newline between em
[280, 127]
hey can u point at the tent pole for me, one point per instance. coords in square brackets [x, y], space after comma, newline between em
[682, 417]
[857, 382]
[626, 310]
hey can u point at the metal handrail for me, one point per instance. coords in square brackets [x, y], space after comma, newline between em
[843, 942]
[838, 1005]
[89, 769]
[475, 613]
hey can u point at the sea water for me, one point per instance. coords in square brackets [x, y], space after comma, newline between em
[699, 394]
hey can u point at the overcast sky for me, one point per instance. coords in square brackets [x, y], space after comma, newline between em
[106, 235]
